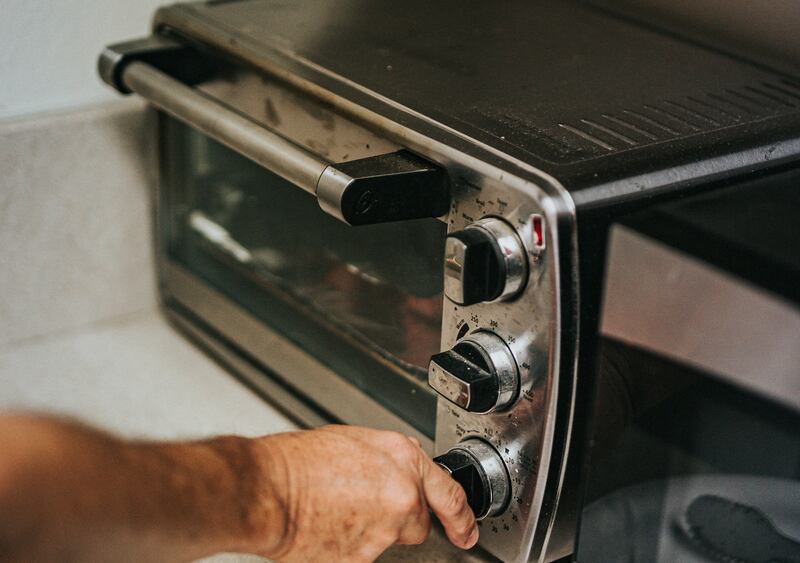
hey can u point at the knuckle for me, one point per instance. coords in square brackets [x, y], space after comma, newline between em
[407, 500]
[401, 498]
[397, 441]
[400, 444]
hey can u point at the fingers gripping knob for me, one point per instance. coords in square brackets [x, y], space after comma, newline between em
[478, 468]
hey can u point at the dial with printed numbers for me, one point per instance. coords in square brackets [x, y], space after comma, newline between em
[484, 262]
[479, 374]
[478, 468]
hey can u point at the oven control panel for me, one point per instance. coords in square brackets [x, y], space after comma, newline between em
[496, 373]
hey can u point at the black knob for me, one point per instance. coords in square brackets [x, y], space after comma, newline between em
[478, 468]
[465, 377]
[479, 374]
[484, 262]
[473, 267]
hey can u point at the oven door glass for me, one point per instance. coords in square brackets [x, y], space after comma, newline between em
[365, 301]
[686, 467]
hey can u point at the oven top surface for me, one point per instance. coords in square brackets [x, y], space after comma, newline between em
[583, 95]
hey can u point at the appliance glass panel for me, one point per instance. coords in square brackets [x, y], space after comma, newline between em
[687, 467]
[366, 301]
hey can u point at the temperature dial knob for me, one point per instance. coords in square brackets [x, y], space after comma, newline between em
[483, 262]
[479, 469]
[479, 374]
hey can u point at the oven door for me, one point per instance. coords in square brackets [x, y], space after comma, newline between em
[364, 304]
[258, 255]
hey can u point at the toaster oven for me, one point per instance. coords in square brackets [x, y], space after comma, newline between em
[396, 215]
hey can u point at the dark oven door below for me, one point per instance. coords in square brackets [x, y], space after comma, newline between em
[365, 302]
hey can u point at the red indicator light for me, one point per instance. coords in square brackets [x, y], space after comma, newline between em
[538, 231]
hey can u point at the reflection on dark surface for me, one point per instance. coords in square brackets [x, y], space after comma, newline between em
[630, 383]
[734, 531]
[684, 466]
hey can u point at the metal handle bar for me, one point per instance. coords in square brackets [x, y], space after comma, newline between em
[286, 159]
[389, 187]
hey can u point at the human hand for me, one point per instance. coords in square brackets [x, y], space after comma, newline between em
[348, 493]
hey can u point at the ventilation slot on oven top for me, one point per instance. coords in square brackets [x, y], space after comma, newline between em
[631, 127]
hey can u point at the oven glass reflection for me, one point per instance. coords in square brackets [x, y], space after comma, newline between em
[375, 290]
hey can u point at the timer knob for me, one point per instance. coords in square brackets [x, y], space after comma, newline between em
[480, 470]
[479, 374]
[483, 262]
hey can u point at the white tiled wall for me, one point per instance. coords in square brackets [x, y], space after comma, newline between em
[75, 242]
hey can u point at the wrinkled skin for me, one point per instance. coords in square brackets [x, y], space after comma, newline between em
[349, 493]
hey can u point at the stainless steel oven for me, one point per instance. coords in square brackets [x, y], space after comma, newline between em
[397, 215]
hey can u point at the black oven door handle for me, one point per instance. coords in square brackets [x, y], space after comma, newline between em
[389, 187]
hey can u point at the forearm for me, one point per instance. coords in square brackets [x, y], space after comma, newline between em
[70, 493]
[67, 489]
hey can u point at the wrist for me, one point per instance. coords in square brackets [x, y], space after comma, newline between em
[271, 530]
[239, 509]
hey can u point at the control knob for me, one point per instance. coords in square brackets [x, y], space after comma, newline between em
[477, 467]
[479, 374]
[484, 262]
